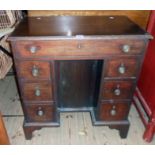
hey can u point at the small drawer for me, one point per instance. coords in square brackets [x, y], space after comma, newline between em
[37, 91]
[122, 67]
[114, 111]
[78, 47]
[33, 70]
[118, 89]
[40, 113]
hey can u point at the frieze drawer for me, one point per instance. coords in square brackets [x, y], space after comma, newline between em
[39, 49]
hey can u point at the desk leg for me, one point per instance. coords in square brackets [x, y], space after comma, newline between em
[28, 130]
[123, 129]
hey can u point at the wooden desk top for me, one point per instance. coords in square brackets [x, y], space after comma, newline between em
[73, 26]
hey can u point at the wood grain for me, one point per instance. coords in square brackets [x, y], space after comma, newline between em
[120, 108]
[25, 69]
[75, 26]
[32, 113]
[102, 36]
[138, 16]
[45, 88]
[76, 127]
[130, 64]
[75, 48]
[126, 89]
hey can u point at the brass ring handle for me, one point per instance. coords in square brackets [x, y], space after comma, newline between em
[126, 48]
[121, 69]
[37, 92]
[35, 71]
[40, 112]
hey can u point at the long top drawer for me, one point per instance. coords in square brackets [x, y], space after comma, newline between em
[55, 48]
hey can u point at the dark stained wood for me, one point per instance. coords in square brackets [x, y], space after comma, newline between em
[77, 81]
[76, 25]
[114, 111]
[78, 60]
[140, 17]
[131, 65]
[45, 88]
[123, 129]
[48, 112]
[126, 89]
[78, 47]
[29, 127]
[25, 69]
[29, 130]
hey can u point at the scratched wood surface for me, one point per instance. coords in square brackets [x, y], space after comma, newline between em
[76, 128]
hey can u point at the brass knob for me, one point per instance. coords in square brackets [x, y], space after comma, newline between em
[121, 69]
[113, 112]
[117, 91]
[35, 71]
[33, 49]
[126, 48]
[40, 112]
[37, 91]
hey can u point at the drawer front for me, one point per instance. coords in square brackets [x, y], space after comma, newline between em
[40, 113]
[78, 47]
[114, 111]
[33, 70]
[118, 89]
[122, 67]
[37, 91]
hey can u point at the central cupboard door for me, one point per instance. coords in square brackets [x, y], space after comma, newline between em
[78, 83]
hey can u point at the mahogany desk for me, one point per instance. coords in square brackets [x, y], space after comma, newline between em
[75, 63]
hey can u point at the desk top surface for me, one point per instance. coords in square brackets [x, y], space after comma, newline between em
[73, 26]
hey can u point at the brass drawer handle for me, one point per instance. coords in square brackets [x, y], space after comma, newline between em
[40, 112]
[121, 69]
[113, 111]
[126, 48]
[35, 71]
[37, 91]
[117, 91]
[33, 49]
